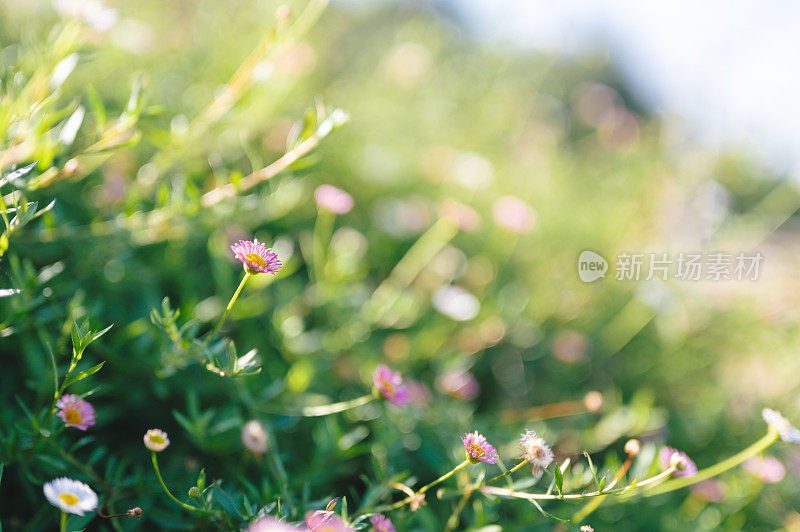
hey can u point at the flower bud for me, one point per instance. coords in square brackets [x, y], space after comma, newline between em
[632, 447]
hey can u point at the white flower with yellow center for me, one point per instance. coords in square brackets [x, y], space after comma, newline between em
[156, 440]
[70, 496]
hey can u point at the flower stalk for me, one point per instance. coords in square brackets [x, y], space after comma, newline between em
[718, 468]
[180, 503]
[228, 309]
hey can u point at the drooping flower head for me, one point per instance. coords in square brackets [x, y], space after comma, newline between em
[326, 521]
[536, 451]
[685, 467]
[333, 199]
[270, 524]
[390, 384]
[70, 496]
[254, 437]
[787, 431]
[381, 523]
[76, 412]
[156, 440]
[255, 257]
[478, 449]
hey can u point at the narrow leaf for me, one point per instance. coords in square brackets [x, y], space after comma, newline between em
[548, 515]
[559, 478]
[83, 374]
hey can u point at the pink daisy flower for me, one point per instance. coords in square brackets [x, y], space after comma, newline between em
[270, 524]
[686, 467]
[390, 384]
[76, 412]
[381, 523]
[478, 449]
[326, 521]
[333, 199]
[256, 257]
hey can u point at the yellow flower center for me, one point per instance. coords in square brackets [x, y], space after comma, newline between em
[73, 417]
[155, 438]
[476, 450]
[387, 388]
[256, 259]
[68, 498]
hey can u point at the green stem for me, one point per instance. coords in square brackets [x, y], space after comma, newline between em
[444, 477]
[324, 410]
[714, 470]
[63, 526]
[227, 309]
[503, 475]
[576, 496]
[422, 490]
[166, 490]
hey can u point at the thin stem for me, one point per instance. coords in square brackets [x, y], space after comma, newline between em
[574, 496]
[166, 490]
[63, 526]
[503, 475]
[227, 309]
[592, 505]
[321, 410]
[714, 470]
[444, 477]
[422, 490]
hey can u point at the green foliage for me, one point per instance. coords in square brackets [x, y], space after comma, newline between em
[155, 144]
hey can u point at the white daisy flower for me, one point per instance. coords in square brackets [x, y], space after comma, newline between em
[156, 440]
[787, 431]
[70, 496]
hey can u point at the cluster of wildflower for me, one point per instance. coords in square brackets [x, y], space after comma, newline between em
[75, 497]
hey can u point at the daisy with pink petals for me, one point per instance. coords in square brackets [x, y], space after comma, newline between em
[381, 523]
[76, 412]
[270, 524]
[326, 521]
[390, 384]
[478, 449]
[256, 257]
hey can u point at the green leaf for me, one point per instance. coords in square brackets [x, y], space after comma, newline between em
[592, 469]
[631, 487]
[549, 516]
[83, 374]
[227, 502]
[559, 478]
[16, 174]
[96, 104]
[201, 480]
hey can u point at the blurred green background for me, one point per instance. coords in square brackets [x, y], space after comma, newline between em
[436, 118]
